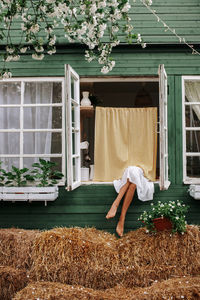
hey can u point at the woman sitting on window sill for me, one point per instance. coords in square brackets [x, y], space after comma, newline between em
[132, 179]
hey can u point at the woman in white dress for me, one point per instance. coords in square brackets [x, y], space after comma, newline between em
[132, 179]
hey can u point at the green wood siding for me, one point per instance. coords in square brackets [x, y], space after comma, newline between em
[130, 61]
[181, 15]
[87, 206]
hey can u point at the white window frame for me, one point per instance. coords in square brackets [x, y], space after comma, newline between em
[73, 104]
[186, 179]
[21, 130]
[162, 81]
[163, 124]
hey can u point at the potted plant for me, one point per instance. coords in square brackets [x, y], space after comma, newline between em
[16, 178]
[165, 216]
[19, 183]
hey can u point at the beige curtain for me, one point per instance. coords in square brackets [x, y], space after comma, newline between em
[125, 137]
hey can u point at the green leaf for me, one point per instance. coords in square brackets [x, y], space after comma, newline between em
[37, 165]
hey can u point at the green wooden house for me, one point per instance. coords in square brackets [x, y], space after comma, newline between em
[165, 75]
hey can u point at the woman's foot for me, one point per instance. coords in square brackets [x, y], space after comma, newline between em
[112, 212]
[120, 229]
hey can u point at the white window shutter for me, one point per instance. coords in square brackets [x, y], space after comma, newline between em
[72, 96]
[164, 182]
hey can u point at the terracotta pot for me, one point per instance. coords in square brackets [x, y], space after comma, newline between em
[162, 224]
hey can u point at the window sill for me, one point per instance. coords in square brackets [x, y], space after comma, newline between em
[192, 181]
[103, 183]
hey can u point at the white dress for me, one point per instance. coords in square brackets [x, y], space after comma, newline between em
[145, 188]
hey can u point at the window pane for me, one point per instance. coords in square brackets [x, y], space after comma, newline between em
[28, 161]
[192, 115]
[42, 142]
[8, 162]
[43, 92]
[72, 87]
[193, 141]
[193, 166]
[10, 93]
[75, 164]
[57, 92]
[42, 117]
[9, 118]
[10, 143]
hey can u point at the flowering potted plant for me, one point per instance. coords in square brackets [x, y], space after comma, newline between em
[165, 216]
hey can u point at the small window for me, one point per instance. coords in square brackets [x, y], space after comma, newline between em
[191, 129]
[31, 122]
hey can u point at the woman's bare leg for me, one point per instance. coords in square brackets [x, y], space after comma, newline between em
[113, 209]
[127, 201]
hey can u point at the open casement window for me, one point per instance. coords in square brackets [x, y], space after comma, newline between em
[72, 85]
[164, 182]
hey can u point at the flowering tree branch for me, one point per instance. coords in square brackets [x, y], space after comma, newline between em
[89, 22]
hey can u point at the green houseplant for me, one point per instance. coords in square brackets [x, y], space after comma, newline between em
[40, 184]
[18, 177]
[170, 214]
[45, 174]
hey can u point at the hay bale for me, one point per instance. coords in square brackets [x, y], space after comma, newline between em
[174, 288]
[57, 291]
[11, 281]
[15, 247]
[119, 292]
[83, 256]
[149, 257]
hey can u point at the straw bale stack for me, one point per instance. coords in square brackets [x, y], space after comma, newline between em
[11, 281]
[57, 291]
[15, 247]
[149, 257]
[83, 256]
[176, 289]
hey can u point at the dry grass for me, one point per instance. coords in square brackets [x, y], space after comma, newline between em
[86, 263]
[86, 257]
[57, 291]
[176, 289]
[149, 257]
[11, 281]
[15, 247]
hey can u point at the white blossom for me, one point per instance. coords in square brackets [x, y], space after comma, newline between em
[93, 8]
[23, 49]
[139, 39]
[105, 70]
[34, 28]
[23, 27]
[37, 56]
[102, 4]
[6, 75]
[39, 49]
[126, 7]
[52, 51]
[52, 41]
[10, 50]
